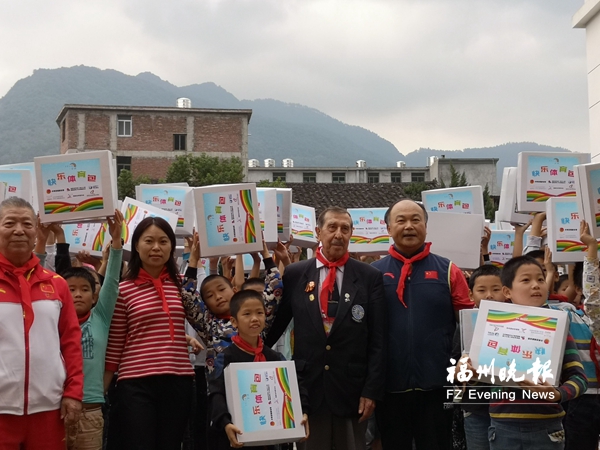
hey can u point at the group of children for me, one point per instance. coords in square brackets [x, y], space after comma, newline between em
[231, 318]
[569, 417]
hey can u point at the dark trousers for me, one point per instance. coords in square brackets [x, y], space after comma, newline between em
[153, 411]
[198, 423]
[582, 423]
[418, 415]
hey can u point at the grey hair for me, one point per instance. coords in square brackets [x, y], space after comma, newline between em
[16, 202]
[332, 209]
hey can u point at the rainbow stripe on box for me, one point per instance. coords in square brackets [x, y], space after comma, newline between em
[130, 213]
[537, 196]
[569, 246]
[545, 323]
[180, 221]
[303, 233]
[280, 228]
[287, 412]
[99, 239]
[249, 229]
[598, 219]
[497, 264]
[62, 207]
[383, 239]
[262, 225]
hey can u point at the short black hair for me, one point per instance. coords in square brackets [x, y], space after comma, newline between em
[80, 272]
[386, 218]
[509, 271]
[541, 254]
[487, 270]
[210, 278]
[241, 297]
[252, 282]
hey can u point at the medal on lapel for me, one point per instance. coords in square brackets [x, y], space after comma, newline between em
[310, 287]
[311, 297]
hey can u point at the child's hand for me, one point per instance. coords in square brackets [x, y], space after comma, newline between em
[548, 260]
[41, 236]
[232, 431]
[305, 423]
[282, 254]
[194, 343]
[255, 257]
[553, 393]
[485, 240]
[521, 228]
[265, 251]
[194, 250]
[115, 229]
[585, 236]
[59, 233]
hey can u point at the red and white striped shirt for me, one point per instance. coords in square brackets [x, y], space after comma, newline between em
[139, 342]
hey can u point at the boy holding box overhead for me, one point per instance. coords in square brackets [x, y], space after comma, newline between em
[248, 316]
[537, 424]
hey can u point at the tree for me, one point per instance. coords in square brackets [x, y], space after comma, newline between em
[126, 183]
[488, 204]
[272, 184]
[413, 190]
[203, 170]
[457, 179]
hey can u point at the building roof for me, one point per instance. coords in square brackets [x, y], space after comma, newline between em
[348, 195]
[466, 160]
[336, 169]
[151, 109]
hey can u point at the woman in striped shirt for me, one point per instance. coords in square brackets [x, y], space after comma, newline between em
[147, 344]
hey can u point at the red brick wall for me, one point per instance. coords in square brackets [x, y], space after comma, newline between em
[71, 131]
[155, 168]
[153, 132]
[97, 131]
[218, 133]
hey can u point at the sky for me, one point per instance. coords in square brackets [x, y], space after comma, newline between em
[443, 74]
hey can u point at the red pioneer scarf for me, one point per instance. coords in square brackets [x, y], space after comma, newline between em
[407, 267]
[258, 351]
[328, 284]
[23, 273]
[144, 276]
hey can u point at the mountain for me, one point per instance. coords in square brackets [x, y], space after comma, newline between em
[507, 154]
[277, 130]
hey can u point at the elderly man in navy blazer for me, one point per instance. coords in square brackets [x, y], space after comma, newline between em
[338, 308]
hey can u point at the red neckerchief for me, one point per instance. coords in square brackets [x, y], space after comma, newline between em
[328, 284]
[258, 351]
[407, 267]
[144, 276]
[84, 318]
[23, 280]
[223, 316]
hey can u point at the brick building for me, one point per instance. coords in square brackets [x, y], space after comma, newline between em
[146, 139]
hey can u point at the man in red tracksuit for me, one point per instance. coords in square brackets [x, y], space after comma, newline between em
[41, 362]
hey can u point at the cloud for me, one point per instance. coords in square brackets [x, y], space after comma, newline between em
[421, 73]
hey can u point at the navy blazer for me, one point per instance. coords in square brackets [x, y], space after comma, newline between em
[349, 363]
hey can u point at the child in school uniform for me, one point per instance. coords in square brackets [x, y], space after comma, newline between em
[484, 284]
[207, 308]
[535, 425]
[94, 320]
[248, 317]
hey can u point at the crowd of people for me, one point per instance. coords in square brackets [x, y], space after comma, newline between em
[372, 343]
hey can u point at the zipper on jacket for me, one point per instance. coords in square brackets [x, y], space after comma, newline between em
[26, 390]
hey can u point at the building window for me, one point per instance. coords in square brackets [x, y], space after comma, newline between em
[123, 162]
[63, 130]
[124, 126]
[373, 177]
[338, 177]
[179, 141]
[309, 177]
[279, 176]
[416, 177]
[396, 177]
